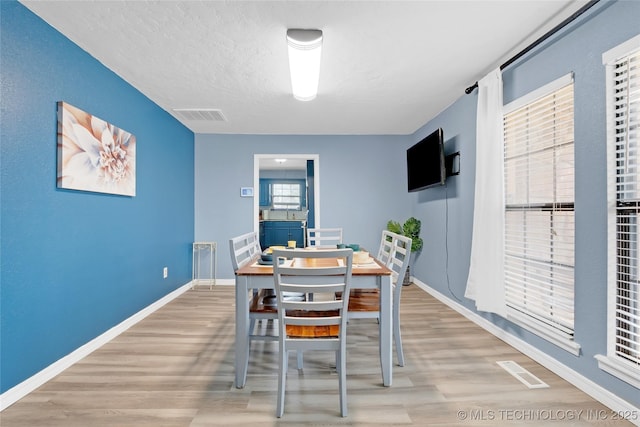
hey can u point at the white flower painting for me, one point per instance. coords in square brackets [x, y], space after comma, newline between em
[94, 155]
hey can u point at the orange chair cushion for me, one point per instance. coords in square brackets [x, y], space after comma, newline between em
[321, 331]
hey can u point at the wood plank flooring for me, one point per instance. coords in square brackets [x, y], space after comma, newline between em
[175, 368]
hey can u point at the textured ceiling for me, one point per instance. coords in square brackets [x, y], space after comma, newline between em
[388, 67]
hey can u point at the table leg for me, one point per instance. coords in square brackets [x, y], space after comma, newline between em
[242, 331]
[386, 329]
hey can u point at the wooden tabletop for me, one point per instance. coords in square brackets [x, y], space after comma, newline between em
[251, 269]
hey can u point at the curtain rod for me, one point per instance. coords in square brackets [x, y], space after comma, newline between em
[540, 40]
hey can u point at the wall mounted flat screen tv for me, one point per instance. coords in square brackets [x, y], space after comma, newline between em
[426, 162]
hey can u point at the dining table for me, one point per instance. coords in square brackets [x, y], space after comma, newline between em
[254, 275]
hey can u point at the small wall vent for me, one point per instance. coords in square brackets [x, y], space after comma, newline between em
[199, 114]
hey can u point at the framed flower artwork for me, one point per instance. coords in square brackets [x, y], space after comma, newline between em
[94, 155]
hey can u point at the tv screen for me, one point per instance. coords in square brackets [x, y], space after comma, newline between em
[425, 162]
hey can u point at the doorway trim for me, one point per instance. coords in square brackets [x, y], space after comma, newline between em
[256, 183]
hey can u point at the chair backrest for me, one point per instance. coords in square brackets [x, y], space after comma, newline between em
[244, 249]
[324, 237]
[322, 273]
[386, 247]
[399, 259]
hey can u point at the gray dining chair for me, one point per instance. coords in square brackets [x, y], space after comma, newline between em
[320, 324]
[386, 247]
[324, 237]
[395, 253]
[245, 249]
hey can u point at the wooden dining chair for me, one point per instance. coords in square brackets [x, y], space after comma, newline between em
[324, 237]
[320, 324]
[245, 249]
[395, 253]
[386, 247]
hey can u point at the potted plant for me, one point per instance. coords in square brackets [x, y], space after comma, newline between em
[410, 228]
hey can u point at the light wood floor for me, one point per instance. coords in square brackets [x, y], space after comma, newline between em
[175, 368]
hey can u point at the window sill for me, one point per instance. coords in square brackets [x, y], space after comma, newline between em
[619, 369]
[550, 334]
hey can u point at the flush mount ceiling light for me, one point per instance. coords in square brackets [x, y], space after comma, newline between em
[305, 49]
[280, 160]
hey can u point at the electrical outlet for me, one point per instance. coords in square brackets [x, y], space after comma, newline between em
[165, 272]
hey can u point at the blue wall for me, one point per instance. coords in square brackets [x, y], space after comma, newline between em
[74, 264]
[362, 184]
[447, 213]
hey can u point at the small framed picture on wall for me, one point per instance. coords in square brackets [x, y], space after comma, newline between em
[246, 191]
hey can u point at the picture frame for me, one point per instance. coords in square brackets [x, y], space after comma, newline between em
[94, 155]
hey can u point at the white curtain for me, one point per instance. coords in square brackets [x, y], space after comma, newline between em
[485, 283]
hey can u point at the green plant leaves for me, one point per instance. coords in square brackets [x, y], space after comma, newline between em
[411, 228]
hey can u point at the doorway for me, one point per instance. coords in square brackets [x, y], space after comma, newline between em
[309, 163]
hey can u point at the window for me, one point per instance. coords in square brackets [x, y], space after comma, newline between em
[539, 211]
[623, 129]
[286, 196]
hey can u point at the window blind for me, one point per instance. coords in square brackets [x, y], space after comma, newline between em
[624, 125]
[539, 207]
[286, 196]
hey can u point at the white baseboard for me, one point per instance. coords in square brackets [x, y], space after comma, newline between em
[219, 282]
[594, 390]
[17, 392]
[225, 282]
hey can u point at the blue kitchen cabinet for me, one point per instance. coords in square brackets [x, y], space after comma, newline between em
[265, 192]
[278, 233]
[261, 236]
[296, 232]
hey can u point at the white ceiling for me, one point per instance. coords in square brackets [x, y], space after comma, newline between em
[388, 67]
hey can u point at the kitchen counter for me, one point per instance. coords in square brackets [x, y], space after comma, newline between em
[283, 220]
[282, 215]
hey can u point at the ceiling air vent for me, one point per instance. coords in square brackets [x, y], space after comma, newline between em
[210, 115]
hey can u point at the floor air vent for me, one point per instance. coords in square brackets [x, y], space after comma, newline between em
[210, 115]
[524, 376]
